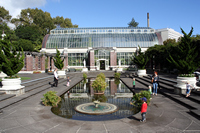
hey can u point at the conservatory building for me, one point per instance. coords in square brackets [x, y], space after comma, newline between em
[100, 48]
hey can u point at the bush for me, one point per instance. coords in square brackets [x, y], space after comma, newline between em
[51, 99]
[140, 59]
[117, 75]
[102, 76]
[99, 84]
[136, 101]
[58, 62]
[84, 76]
[36, 72]
[11, 60]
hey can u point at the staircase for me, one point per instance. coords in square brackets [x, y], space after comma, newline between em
[166, 88]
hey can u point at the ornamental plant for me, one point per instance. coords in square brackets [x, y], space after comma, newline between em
[84, 76]
[11, 61]
[186, 58]
[51, 99]
[117, 75]
[58, 61]
[136, 101]
[99, 84]
[102, 76]
[140, 59]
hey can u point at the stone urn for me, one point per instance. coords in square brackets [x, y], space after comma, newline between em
[180, 87]
[61, 74]
[12, 86]
[141, 72]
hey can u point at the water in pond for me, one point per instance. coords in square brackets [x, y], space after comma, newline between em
[116, 93]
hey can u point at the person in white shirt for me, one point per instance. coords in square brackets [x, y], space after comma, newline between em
[55, 78]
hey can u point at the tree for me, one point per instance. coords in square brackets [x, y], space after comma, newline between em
[169, 41]
[140, 59]
[4, 15]
[30, 33]
[35, 17]
[58, 61]
[64, 23]
[11, 61]
[185, 58]
[26, 45]
[133, 23]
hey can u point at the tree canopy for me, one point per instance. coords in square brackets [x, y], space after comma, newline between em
[133, 23]
[186, 57]
[4, 15]
[11, 61]
[31, 27]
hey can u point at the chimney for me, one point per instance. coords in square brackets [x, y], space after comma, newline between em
[147, 19]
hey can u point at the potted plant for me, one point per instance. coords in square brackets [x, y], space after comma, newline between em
[186, 61]
[140, 59]
[58, 62]
[99, 85]
[11, 63]
[51, 99]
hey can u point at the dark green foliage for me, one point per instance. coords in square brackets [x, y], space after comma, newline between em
[84, 76]
[117, 81]
[27, 45]
[11, 61]
[185, 59]
[50, 99]
[58, 61]
[133, 23]
[117, 75]
[140, 59]
[136, 101]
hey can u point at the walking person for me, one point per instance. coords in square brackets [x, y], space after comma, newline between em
[55, 78]
[155, 80]
[68, 80]
[143, 109]
[188, 86]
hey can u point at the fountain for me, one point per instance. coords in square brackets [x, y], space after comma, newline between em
[96, 103]
[96, 108]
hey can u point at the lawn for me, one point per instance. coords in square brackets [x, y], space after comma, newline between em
[25, 78]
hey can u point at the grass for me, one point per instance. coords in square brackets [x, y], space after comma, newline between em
[25, 78]
[22, 78]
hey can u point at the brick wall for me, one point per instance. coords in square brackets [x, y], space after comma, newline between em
[92, 63]
[113, 58]
[29, 63]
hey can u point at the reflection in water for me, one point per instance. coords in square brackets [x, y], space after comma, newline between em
[119, 95]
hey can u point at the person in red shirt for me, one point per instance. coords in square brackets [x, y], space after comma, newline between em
[143, 109]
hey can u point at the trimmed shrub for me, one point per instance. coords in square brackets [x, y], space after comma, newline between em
[136, 101]
[51, 99]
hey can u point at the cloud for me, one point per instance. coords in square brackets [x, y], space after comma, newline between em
[15, 6]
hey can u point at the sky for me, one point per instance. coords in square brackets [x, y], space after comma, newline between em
[173, 14]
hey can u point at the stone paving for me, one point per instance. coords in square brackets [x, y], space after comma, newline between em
[30, 116]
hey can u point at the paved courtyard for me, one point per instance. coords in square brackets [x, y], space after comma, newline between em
[30, 116]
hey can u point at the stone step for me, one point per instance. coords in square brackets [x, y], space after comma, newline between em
[6, 96]
[162, 81]
[17, 99]
[32, 82]
[2, 93]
